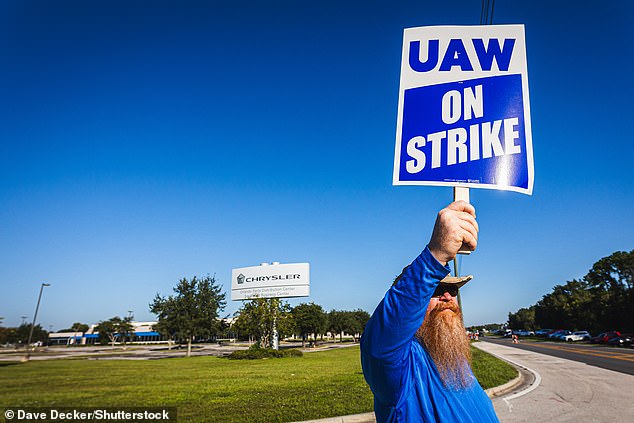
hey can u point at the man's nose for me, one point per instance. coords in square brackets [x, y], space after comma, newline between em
[446, 296]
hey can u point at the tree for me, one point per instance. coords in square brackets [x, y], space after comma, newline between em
[602, 300]
[309, 318]
[76, 327]
[259, 316]
[126, 330]
[167, 312]
[568, 306]
[20, 335]
[611, 282]
[489, 327]
[339, 322]
[361, 318]
[115, 328]
[192, 312]
[5, 334]
[524, 319]
[351, 322]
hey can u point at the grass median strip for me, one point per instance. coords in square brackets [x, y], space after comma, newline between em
[317, 385]
[490, 370]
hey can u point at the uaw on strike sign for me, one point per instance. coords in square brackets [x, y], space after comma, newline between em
[463, 114]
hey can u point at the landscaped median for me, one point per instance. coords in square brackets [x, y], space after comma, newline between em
[317, 385]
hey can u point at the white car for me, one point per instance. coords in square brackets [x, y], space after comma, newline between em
[581, 335]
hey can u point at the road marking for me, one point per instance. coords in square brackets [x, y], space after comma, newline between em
[620, 357]
[538, 380]
[625, 356]
[531, 387]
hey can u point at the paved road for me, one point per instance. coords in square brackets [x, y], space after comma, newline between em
[611, 358]
[563, 390]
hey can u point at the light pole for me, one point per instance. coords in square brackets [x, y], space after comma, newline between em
[37, 307]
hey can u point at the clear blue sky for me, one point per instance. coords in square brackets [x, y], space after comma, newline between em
[142, 142]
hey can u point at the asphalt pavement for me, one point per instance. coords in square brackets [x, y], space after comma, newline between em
[564, 390]
[607, 357]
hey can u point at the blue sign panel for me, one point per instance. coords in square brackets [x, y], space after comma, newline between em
[463, 109]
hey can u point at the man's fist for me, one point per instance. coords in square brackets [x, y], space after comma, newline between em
[455, 225]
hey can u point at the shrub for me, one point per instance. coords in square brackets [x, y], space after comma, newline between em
[258, 353]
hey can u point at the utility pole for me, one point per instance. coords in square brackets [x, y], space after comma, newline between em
[37, 307]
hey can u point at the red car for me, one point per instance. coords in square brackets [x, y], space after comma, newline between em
[604, 337]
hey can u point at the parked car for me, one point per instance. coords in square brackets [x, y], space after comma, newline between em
[563, 334]
[604, 337]
[581, 335]
[523, 333]
[543, 332]
[625, 340]
[556, 334]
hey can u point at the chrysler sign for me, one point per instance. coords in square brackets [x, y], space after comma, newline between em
[270, 281]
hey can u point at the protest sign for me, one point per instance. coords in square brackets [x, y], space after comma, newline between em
[464, 113]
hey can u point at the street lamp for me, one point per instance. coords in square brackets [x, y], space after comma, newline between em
[28, 344]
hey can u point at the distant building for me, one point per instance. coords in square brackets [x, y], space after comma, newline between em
[66, 338]
[143, 332]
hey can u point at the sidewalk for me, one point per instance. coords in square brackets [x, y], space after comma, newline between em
[354, 418]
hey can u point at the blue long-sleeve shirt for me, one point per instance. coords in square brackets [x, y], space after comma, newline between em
[400, 372]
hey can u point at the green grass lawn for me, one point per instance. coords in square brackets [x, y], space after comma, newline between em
[490, 370]
[317, 385]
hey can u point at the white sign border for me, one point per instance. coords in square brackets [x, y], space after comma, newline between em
[301, 289]
[483, 31]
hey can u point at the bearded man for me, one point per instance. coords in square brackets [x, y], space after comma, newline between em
[414, 350]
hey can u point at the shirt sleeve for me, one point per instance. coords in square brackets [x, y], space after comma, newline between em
[388, 335]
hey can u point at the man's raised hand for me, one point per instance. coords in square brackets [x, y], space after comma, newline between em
[455, 226]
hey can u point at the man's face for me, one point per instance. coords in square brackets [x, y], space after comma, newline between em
[447, 295]
[443, 336]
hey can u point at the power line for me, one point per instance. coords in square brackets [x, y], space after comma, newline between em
[492, 8]
[486, 14]
[482, 13]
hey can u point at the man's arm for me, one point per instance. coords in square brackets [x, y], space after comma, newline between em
[387, 338]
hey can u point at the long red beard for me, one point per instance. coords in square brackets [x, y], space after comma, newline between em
[443, 336]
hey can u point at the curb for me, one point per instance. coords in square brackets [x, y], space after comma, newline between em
[353, 418]
[524, 378]
[498, 391]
